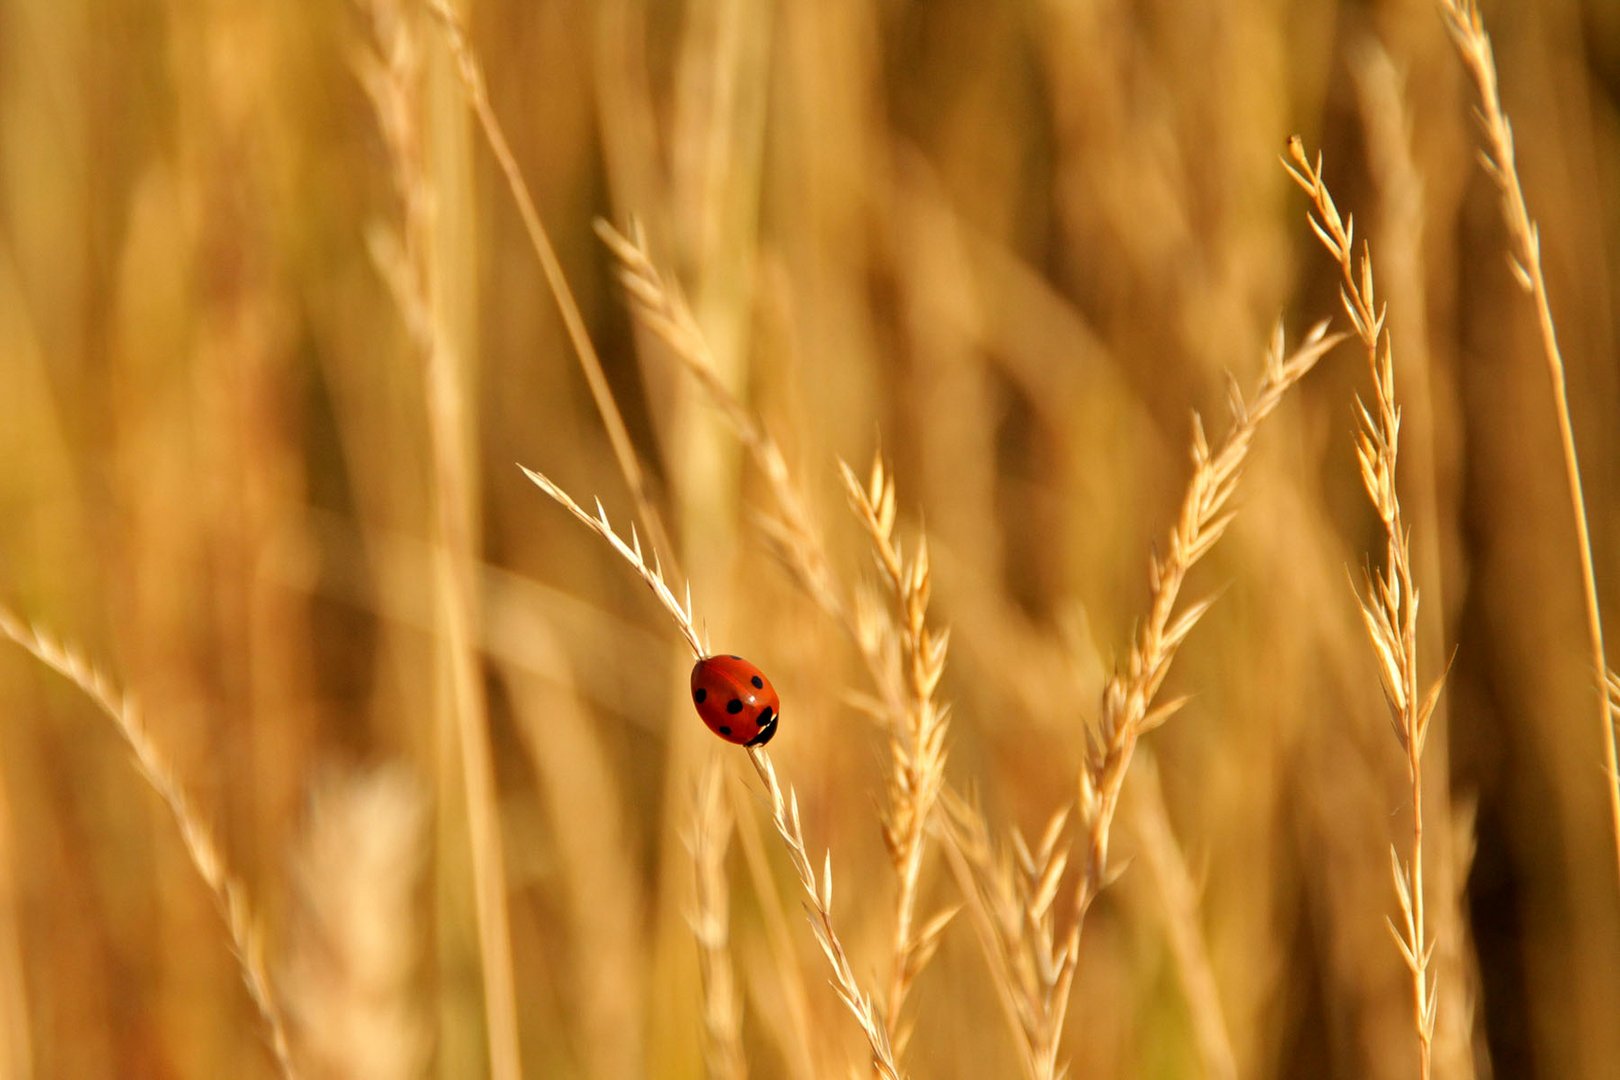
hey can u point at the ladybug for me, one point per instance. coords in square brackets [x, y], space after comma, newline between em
[735, 699]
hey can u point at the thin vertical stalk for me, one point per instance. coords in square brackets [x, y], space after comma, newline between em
[411, 265]
[1474, 44]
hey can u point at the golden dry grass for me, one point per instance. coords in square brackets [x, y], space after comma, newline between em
[1389, 605]
[416, 787]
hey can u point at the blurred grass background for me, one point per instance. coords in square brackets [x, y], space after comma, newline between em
[1011, 246]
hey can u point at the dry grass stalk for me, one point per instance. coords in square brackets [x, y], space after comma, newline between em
[471, 75]
[711, 925]
[241, 922]
[662, 308]
[793, 532]
[1403, 195]
[819, 891]
[16, 1042]
[354, 959]
[1389, 607]
[784, 808]
[917, 738]
[1011, 893]
[1130, 707]
[1179, 893]
[908, 677]
[594, 864]
[1014, 905]
[775, 980]
[1462, 1004]
[392, 77]
[1474, 44]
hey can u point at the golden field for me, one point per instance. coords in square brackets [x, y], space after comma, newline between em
[331, 746]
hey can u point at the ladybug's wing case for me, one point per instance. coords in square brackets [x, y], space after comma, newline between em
[733, 694]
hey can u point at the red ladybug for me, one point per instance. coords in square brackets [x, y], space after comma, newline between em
[735, 699]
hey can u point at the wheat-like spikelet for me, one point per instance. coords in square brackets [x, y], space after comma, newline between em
[784, 808]
[1130, 706]
[353, 963]
[471, 74]
[393, 78]
[908, 677]
[1389, 606]
[819, 892]
[241, 921]
[631, 552]
[1381, 91]
[1474, 44]
[711, 925]
[1011, 892]
[917, 734]
[917, 737]
[660, 305]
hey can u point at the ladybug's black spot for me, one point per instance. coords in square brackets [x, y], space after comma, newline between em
[767, 728]
[734, 656]
[734, 706]
[699, 694]
[759, 683]
[724, 730]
